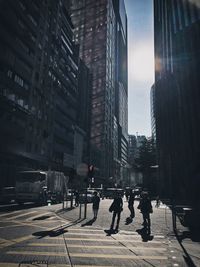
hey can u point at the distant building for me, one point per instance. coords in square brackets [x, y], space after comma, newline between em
[177, 97]
[134, 144]
[40, 85]
[101, 32]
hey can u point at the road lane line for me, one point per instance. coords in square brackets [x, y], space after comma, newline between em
[21, 215]
[21, 224]
[86, 255]
[10, 226]
[7, 214]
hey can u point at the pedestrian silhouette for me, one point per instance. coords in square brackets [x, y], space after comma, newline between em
[116, 207]
[131, 204]
[157, 202]
[95, 205]
[76, 194]
[146, 208]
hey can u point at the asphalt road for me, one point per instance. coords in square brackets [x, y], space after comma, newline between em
[49, 236]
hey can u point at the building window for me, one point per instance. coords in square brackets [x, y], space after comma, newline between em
[9, 74]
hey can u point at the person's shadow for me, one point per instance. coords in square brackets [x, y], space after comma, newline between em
[90, 222]
[128, 220]
[145, 234]
[110, 232]
[51, 233]
[56, 231]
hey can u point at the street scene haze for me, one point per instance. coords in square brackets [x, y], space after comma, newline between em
[99, 136]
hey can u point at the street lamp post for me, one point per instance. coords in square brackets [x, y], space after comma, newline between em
[82, 170]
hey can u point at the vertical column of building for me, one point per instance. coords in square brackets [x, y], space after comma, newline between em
[121, 90]
[176, 93]
[63, 74]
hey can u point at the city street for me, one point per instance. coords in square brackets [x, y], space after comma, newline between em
[53, 237]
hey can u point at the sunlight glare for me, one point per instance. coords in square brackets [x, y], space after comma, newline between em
[141, 63]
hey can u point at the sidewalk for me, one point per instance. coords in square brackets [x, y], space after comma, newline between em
[182, 241]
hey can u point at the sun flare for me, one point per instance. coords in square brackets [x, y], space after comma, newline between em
[141, 63]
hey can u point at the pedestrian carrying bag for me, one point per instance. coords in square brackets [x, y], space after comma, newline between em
[111, 208]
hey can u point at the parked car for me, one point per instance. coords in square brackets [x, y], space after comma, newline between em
[7, 195]
[82, 196]
[99, 190]
[70, 194]
[111, 192]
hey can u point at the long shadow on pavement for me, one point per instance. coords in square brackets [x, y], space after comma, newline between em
[180, 238]
[56, 231]
[90, 222]
[144, 234]
[110, 232]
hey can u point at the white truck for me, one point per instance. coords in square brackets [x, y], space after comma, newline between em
[40, 186]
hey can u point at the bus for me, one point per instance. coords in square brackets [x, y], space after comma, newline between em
[40, 186]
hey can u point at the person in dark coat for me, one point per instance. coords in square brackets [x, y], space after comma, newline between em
[116, 207]
[146, 208]
[131, 204]
[95, 205]
[76, 194]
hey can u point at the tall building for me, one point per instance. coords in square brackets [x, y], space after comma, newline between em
[153, 113]
[39, 77]
[101, 32]
[177, 96]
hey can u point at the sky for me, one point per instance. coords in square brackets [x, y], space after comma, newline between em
[140, 65]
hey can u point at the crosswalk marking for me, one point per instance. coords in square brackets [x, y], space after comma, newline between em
[108, 240]
[21, 215]
[121, 232]
[21, 224]
[23, 238]
[85, 230]
[10, 264]
[10, 226]
[10, 242]
[114, 256]
[86, 255]
[39, 253]
[9, 213]
[95, 246]
[5, 242]
[103, 234]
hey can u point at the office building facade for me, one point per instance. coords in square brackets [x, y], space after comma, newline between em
[39, 88]
[177, 97]
[101, 32]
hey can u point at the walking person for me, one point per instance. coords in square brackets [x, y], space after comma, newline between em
[146, 208]
[131, 204]
[116, 207]
[95, 205]
[76, 194]
[157, 202]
